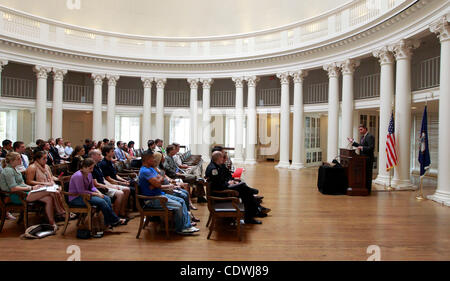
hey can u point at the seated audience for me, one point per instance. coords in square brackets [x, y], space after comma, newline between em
[219, 180]
[82, 183]
[61, 150]
[131, 149]
[150, 183]
[39, 173]
[87, 144]
[11, 180]
[76, 158]
[151, 146]
[193, 170]
[108, 169]
[54, 152]
[119, 192]
[39, 145]
[19, 147]
[6, 148]
[68, 149]
[119, 153]
[174, 172]
[159, 146]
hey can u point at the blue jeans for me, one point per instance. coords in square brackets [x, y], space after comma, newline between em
[183, 194]
[178, 205]
[103, 203]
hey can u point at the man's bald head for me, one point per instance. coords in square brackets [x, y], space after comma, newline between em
[217, 157]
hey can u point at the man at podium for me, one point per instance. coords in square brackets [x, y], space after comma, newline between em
[366, 146]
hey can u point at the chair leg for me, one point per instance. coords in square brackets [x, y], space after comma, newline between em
[89, 218]
[25, 218]
[140, 226]
[66, 222]
[209, 220]
[80, 219]
[238, 222]
[3, 219]
[19, 221]
[211, 227]
[147, 221]
[166, 218]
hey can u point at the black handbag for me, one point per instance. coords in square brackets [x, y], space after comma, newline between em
[83, 233]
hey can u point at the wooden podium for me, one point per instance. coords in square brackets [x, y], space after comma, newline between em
[355, 169]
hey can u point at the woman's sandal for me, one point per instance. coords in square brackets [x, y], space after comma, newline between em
[193, 207]
[120, 222]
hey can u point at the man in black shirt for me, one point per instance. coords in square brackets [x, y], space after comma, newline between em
[7, 147]
[219, 180]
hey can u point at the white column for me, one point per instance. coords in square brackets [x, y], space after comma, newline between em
[333, 110]
[239, 115]
[11, 125]
[250, 158]
[97, 130]
[111, 113]
[284, 121]
[442, 194]
[3, 62]
[403, 52]
[41, 102]
[386, 101]
[57, 113]
[206, 120]
[298, 134]
[160, 84]
[147, 113]
[348, 68]
[193, 139]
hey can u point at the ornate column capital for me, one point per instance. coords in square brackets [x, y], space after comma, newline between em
[98, 78]
[160, 83]
[403, 49]
[284, 77]
[384, 55]
[238, 81]
[251, 80]
[112, 79]
[332, 69]
[348, 66]
[442, 28]
[3, 62]
[147, 81]
[41, 71]
[58, 74]
[298, 76]
[206, 83]
[193, 82]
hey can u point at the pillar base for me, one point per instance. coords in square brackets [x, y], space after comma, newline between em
[403, 185]
[283, 165]
[442, 197]
[382, 180]
[250, 162]
[296, 166]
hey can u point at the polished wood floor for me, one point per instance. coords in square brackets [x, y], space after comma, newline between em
[303, 225]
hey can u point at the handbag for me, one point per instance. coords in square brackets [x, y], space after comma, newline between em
[83, 233]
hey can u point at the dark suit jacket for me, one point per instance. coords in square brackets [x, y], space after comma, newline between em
[368, 145]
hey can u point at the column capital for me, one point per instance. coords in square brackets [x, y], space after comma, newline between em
[98, 78]
[384, 55]
[160, 82]
[58, 74]
[299, 75]
[251, 80]
[41, 71]
[147, 81]
[332, 69]
[206, 83]
[3, 62]
[112, 79]
[442, 28]
[238, 81]
[193, 82]
[284, 77]
[403, 49]
[348, 66]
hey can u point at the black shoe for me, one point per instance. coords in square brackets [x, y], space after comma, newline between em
[260, 215]
[263, 210]
[202, 200]
[252, 221]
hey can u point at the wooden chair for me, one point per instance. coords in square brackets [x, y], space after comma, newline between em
[146, 212]
[224, 207]
[24, 208]
[83, 212]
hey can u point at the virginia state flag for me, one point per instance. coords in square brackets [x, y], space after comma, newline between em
[424, 152]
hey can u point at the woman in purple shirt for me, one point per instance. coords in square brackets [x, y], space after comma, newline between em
[82, 182]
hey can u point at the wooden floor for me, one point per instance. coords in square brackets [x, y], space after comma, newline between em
[303, 225]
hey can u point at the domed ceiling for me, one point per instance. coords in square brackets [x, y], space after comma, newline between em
[176, 18]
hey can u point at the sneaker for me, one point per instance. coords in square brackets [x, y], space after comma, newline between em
[9, 216]
[194, 229]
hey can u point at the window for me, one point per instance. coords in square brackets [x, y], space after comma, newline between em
[128, 129]
[230, 132]
[180, 130]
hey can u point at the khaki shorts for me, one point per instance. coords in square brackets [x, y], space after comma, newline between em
[112, 189]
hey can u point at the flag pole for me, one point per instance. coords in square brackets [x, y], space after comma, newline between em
[389, 187]
[420, 197]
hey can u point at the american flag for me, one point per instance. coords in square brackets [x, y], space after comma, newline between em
[391, 152]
